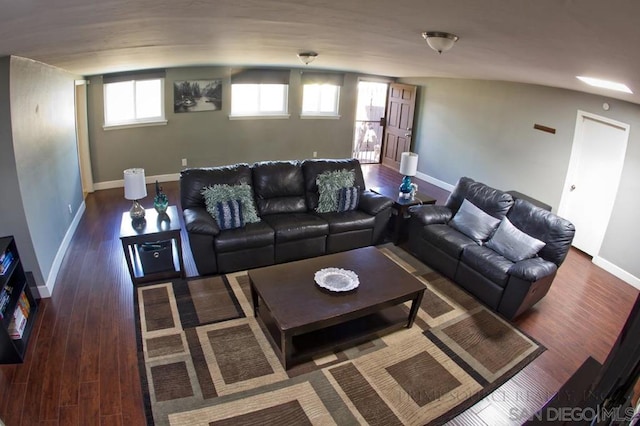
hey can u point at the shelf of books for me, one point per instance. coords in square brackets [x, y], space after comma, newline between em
[17, 305]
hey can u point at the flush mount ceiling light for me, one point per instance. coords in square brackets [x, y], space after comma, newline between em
[440, 41]
[307, 57]
[611, 85]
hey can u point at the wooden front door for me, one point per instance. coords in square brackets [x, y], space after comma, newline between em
[397, 135]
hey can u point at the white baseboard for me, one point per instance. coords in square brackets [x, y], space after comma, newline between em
[47, 289]
[149, 179]
[617, 271]
[434, 181]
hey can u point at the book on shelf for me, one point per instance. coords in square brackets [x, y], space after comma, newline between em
[24, 305]
[5, 297]
[6, 262]
[17, 325]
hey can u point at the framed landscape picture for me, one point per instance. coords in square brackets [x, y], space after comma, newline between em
[197, 95]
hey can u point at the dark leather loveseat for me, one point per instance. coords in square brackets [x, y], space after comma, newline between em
[508, 286]
[286, 196]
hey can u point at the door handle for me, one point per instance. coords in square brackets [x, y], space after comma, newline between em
[572, 188]
[407, 134]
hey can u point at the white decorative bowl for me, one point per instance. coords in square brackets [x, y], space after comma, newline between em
[336, 279]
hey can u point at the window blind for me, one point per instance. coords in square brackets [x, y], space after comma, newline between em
[133, 75]
[335, 79]
[261, 76]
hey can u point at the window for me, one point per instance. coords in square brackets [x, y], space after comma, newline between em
[260, 93]
[321, 94]
[133, 99]
[259, 99]
[320, 100]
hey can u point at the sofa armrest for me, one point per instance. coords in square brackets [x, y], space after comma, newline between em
[532, 269]
[373, 203]
[199, 221]
[430, 214]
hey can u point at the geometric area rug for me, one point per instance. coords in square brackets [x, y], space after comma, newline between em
[205, 360]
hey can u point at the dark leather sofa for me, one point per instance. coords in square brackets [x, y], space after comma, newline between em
[508, 287]
[286, 196]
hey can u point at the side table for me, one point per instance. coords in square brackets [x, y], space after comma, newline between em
[155, 227]
[401, 208]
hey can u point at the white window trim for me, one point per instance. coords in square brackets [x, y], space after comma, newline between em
[131, 125]
[319, 116]
[140, 122]
[258, 117]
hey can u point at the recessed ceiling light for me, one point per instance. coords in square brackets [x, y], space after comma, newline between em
[612, 85]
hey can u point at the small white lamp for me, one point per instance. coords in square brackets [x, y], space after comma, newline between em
[408, 168]
[135, 189]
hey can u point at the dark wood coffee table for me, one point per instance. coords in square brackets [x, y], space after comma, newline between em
[304, 319]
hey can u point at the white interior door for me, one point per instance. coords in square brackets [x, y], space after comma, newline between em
[595, 167]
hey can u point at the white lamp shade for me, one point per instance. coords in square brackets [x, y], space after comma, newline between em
[134, 184]
[409, 164]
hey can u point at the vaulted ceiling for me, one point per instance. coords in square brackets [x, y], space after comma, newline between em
[547, 42]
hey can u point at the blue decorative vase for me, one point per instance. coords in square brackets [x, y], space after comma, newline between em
[405, 187]
[160, 201]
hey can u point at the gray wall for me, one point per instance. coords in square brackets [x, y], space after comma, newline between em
[209, 138]
[13, 220]
[484, 130]
[41, 176]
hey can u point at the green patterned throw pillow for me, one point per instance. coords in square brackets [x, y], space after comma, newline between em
[220, 193]
[329, 183]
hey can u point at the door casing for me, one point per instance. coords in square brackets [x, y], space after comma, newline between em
[591, 224]
[401, 105]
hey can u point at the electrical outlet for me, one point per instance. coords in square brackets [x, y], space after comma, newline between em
[184, 161]
[70, 209]
[315, 154]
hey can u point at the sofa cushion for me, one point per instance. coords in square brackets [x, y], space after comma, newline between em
[279, 187]
[296, 226]
[490, 200]
[458, 193]
[353, 220]
[193, 180]
[312, 168]
[473, 222]
[329, 186]
[218, 193]
[512, 243]
[487, 262]
[251, 235]
[229, 214]
[446, 239]
[348, 198]
[545, 226]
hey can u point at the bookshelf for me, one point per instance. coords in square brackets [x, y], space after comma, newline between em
[18, 307]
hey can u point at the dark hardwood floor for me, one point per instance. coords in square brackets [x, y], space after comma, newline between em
[81, 367]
